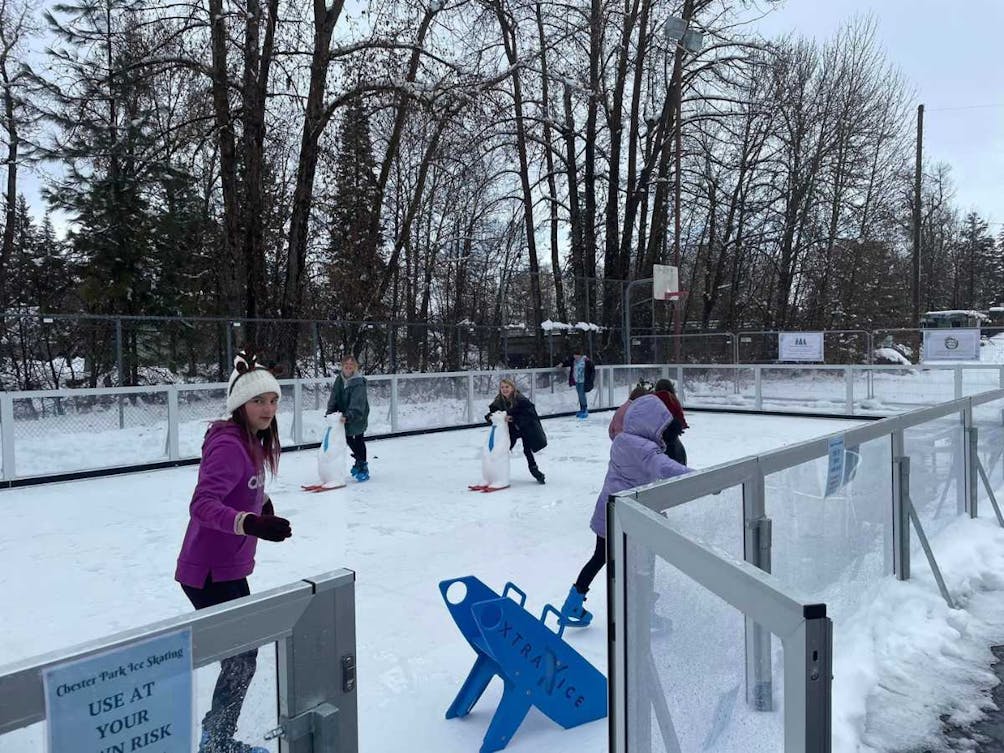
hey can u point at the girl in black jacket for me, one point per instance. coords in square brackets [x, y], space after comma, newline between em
[523, 423]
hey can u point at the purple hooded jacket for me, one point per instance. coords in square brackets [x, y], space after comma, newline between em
[228, 484]
[637, 455]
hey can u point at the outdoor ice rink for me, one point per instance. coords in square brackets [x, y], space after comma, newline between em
[84, 559]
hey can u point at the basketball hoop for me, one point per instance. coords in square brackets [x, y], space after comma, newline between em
[665, 282]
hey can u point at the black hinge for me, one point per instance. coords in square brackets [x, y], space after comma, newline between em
[348, 673]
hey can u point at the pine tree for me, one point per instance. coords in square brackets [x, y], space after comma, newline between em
[978, 262]
[100, 103]
[354, 264]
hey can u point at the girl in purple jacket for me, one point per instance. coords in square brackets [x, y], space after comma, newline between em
[637, 457]
[229, 513]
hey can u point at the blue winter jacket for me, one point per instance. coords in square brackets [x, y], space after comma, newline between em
[637, 455]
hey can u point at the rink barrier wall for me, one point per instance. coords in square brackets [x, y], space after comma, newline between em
[636, 694]
[313, 626]
[637, 516]
[810, 390]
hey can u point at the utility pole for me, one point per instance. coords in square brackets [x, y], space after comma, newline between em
[917, 216]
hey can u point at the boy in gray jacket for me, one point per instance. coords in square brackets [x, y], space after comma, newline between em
[348, 397]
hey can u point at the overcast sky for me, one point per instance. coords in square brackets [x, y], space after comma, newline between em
[952, 54]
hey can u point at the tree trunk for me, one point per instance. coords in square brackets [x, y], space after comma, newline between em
[552, 190]
[315, 120]
[508, 29]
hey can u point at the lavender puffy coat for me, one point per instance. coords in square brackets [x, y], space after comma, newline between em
[228, 484]
[637, 455]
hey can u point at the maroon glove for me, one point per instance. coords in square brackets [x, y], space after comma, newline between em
[268, 527]
[267, 508]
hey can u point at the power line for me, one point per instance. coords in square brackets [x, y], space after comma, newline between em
[964, 107]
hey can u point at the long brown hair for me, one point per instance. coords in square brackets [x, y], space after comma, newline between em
[263, 446]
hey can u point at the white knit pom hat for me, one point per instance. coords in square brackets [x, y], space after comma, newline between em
[249, 380]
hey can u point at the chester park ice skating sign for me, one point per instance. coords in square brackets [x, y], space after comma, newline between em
[135, 698]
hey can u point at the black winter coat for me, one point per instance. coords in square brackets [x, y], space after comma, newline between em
[525, 422]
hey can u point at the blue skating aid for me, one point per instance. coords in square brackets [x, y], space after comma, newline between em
[535, 664]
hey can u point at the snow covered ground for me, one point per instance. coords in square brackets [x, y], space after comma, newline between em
[84, 559]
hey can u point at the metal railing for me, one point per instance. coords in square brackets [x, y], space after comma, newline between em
[312, 623]
[847, 506]
[47, 432]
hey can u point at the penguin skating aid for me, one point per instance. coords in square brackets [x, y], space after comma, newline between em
[331, 457]
[495, 456]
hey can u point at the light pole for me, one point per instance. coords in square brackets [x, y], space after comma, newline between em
[690, 42]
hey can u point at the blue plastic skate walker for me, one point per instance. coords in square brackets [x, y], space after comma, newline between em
[535, 664]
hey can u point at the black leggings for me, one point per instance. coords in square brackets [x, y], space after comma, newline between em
[358, 446]
[591, 568]
[220, 723]
[513, 436]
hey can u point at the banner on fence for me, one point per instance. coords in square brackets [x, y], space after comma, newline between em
[138, 697]
[951, 345]
[800, 346]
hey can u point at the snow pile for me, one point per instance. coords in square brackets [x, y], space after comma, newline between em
[905, 659]
[548, 326]
[890, 355]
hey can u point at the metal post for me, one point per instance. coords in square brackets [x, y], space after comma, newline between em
[758, 379]
[298, 411]
[118, 366]
[228, 337]
[470, 398]
[392, 346]
[900, 508]
[316, 338]
[679, 384]
[972, 466]
[627, 315]
[7, 435]
[918, 171]
[173, 444]
[849, 389]
[808, 680]
[958, 382]
[318, 661]
[610, 385]
[757, 551]
[393, 403]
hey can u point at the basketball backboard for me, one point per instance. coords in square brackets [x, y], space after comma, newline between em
[665, 282]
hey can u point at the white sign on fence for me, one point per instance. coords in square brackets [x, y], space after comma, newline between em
[800, 346]
[138, 697]
[951, 345]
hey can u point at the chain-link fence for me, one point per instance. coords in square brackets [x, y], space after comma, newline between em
[78, 350]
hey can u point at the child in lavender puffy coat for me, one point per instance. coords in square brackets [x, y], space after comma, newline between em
[637, 457]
